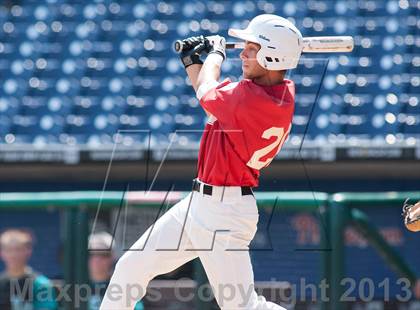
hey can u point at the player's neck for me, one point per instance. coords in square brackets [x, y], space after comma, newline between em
[270, 79]
[100, 276]
[16, 271]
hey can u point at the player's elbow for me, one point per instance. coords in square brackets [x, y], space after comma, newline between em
[205, 87]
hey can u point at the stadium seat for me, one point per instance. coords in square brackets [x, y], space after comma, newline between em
[77, 72]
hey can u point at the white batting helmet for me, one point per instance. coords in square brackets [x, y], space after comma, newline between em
[281, 42]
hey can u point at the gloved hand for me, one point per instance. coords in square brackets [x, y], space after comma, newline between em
[192, 49]
[192, 42]
[217, 45]
[411, 214]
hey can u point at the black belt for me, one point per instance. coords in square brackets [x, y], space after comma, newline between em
[208, 189]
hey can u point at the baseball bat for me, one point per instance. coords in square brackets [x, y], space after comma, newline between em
[328, 44]
[179, 45]
[333, 44]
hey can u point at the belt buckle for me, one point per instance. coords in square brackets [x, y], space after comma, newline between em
[198, 186]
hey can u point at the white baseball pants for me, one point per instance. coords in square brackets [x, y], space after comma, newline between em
[218, 229]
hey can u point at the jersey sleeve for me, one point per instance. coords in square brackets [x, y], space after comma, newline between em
[221, 101]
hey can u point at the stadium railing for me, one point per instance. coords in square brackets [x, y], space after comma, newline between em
[335, 212]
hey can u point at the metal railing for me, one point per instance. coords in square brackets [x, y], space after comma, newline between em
[335, 211]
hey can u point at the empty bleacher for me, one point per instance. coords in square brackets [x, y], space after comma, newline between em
[87, 72]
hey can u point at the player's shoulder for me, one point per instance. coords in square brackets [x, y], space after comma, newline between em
[228, 85]
[286, 92]
[242, 88]
[290, 86]
[277, 95]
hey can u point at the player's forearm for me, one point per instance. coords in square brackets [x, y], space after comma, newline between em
[210, 72]
[193, 72]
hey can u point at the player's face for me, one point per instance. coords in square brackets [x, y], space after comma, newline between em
[251, 69]
[15, 256]
[99, 264]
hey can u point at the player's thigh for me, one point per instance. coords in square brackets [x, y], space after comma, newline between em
[164, 246]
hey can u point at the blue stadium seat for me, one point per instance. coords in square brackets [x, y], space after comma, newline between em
[81, 125]
[383, 25]
[304, 103]
[187, 138]
[296, 9]
[189, 104]
[414, 63]
[139, 105]
[129, 122]
[196, 10]
[59, 105]
[189, 122]
[219, 10]
[383, 8]
[337, 84]
[411, 124]
[331, 26]
[77, 72]
[307, 84]
[169, 104]
[37, 106]
[13, 87]
[411, 102]
[152, 67]
[26, 127]
[324, 125]
[323, 115]
[9, 106]
[5, 125]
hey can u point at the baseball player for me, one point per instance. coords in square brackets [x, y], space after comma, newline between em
[248, 122]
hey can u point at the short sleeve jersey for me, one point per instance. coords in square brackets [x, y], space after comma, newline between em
[247, 127]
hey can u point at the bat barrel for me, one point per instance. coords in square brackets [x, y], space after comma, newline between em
[330, 44]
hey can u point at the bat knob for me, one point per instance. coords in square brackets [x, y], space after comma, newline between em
[178, 46]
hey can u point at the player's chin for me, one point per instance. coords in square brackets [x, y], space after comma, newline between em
[246, 74]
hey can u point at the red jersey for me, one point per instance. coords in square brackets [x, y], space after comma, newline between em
[248, 126]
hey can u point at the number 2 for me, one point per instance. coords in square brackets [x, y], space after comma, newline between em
[255, 162]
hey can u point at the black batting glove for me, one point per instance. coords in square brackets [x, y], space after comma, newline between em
[192, 50]
[191, 42]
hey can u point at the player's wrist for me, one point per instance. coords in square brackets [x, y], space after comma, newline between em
[215, 58]
[217, 52]
[189, 60]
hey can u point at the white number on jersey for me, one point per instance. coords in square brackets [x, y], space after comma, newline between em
[255, 161]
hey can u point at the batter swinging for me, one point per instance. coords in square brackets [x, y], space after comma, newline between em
[248, 122]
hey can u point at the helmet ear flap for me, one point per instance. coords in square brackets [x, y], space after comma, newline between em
[271, 61]
[261, 60]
